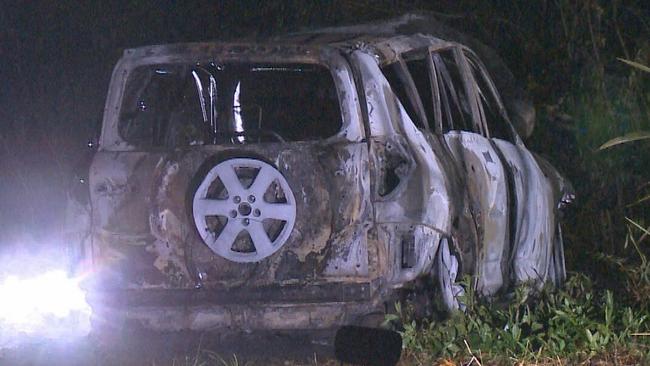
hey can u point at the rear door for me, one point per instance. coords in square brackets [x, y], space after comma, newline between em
[485, 173]
[231, 175]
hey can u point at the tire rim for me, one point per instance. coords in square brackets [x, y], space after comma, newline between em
[244, 210]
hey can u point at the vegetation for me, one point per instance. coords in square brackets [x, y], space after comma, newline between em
[573, 325]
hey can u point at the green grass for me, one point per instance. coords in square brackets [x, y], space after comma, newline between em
[574, 324]
[207, 358]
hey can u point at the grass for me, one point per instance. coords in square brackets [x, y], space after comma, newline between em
[209, 358]
[205, 358]
[576, 324]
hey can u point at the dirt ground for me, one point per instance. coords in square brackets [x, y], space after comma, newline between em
[173, 349]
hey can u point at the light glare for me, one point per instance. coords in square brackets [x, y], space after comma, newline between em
[43, 303]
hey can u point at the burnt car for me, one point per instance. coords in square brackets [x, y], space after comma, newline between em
[308, 182]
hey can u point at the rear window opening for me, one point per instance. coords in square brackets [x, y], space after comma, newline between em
[237, 103]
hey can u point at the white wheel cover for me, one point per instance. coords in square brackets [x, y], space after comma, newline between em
[245, 210]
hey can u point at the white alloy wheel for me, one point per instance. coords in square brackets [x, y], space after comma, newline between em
[244, 210]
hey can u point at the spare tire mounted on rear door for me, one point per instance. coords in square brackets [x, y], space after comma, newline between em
[244, 210]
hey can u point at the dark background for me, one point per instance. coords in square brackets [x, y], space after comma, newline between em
[56, 59]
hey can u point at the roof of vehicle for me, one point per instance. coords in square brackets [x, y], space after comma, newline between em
[384, 39]
[387, 39]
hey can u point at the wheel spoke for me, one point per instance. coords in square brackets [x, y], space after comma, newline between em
[209, 207]
[263, 180]
[278, 211]
[226, 239]
[230, 181]
[261, 241]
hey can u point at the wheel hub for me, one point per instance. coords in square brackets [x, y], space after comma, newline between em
[244, 209]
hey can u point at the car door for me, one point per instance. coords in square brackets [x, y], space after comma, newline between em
[158, 181]
[457, 113]
[533, 224]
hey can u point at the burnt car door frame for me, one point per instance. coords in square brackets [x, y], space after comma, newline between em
[113, 176]
[531, 239]
[409, 193]
[537, 249]
[479, 163]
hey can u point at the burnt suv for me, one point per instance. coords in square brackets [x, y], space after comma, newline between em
[309, 182]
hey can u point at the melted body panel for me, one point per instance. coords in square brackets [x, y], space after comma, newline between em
[535, 215]
[143, 220]
[488, 192]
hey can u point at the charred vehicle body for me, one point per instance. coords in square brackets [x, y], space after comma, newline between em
[309, 182]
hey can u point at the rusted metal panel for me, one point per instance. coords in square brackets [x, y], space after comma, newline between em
[324, 292]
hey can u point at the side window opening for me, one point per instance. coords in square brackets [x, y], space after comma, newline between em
[490, 107]
[420, 75]
[177, 105]
[440, 98]
[397, 78]
[456, 113]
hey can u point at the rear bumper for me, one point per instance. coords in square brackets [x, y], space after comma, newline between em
[291, 307]
[236, 318]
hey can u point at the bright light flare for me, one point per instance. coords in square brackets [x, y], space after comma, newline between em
[51, 304]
